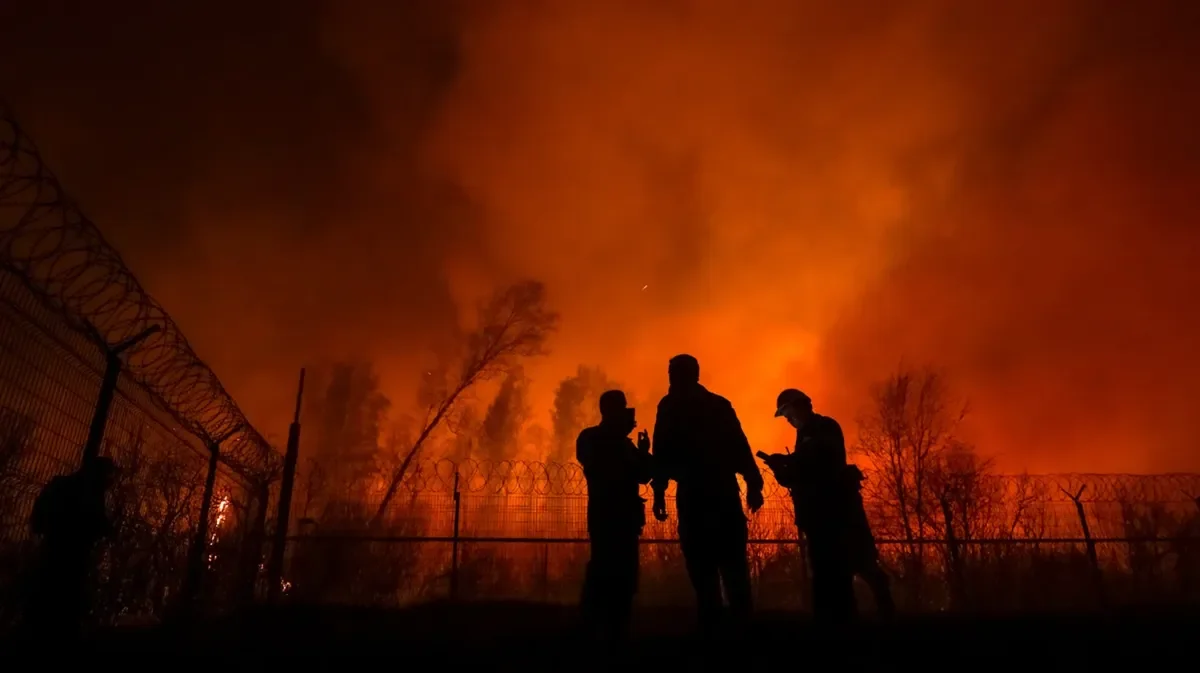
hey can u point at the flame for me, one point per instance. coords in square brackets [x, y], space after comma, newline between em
[778, 172]
[215, 535]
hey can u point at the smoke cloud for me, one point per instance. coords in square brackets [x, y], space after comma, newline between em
[798, 193]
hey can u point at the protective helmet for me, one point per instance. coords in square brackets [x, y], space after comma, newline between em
[791, 398]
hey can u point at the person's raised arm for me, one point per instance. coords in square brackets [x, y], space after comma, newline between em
[644, 462]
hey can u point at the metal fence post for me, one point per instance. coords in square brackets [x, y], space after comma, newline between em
[252, 552]
[546, 571]
[199, 548]
[108, 388]
[1090, 544]
[956, 575]
[196, 553]
[275, 574]
[454, 543]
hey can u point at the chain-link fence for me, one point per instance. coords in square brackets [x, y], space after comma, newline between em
[91, 365]
[517, 530]
[50, 379]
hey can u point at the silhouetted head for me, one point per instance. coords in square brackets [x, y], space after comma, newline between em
[795, 406]
[683, 370]
[615, 411]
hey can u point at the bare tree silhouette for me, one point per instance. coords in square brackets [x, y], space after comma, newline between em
[347, 413]
[514, 324]
[905, 435]
[966, 497]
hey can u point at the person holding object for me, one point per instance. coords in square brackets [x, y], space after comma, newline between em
[826, 494]
[614, 469]
[699, 444]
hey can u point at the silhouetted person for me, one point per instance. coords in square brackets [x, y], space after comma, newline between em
[70, 516]
[614, 469]
[826, 494]
[699, 443]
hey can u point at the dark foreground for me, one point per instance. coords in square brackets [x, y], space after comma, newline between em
[523, 636]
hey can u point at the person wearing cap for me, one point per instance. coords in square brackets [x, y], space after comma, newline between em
[826, 494]
[699, 443]
[614, 469]
[70, 516]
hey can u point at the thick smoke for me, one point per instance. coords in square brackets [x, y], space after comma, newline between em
[232, 156]
[506, 416]
[798, 193]
[576, 406]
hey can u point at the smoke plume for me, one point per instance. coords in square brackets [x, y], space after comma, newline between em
[798, 193]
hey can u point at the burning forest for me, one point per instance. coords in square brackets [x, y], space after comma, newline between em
[968, 231]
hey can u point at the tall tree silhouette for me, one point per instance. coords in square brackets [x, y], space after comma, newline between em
[506, 416]
[513, 324]
[576, 406]
[906, 434]
[348, 413]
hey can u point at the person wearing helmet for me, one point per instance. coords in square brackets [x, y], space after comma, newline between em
[614, 469]
[826, 494]
[699, 443]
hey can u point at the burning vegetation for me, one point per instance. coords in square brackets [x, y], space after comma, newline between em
[956, 532]
[797, 193]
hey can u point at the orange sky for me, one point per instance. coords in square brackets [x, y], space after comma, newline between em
[810, 192]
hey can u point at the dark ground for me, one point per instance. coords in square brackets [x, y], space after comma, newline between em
[507, 636]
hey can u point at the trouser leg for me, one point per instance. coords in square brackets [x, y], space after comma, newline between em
[735, 568]
[626, 585]
[881, 589]
[595, 578]
[703, 572]
[610, 581]
[58, 604]
[832, 581]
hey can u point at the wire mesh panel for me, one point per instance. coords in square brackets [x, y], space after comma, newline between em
[522, 534]
[49, 382]
[67, 305]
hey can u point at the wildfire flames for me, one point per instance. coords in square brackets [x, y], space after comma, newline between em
[215, 535]
[218, 525]
[798, 193]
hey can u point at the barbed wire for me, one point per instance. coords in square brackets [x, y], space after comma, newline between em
[521, 477]
[55, 250]
[1116, 488]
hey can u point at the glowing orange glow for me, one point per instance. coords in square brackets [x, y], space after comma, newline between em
[215, 534]
[798, 193]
